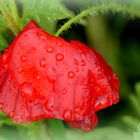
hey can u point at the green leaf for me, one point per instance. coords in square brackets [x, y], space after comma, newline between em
[104, 133]
[3, 43]
[108, 133]
[137, 133]
[137, 88]
[3, 24]
[53, 9]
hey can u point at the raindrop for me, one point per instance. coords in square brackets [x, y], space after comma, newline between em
[83, 63]
[6, 66]
[100, 101]
[4, 57]
[27, 89]
[22, 106]
[101, 73]
[11, 114]
[22, 94]
[18, 119]
[1, 105]
[59, 44]
[68, 115]
[23, 58]
[64, 91]
[49, 49]
[71, 74]
[48, 106]
[91, 80]
[37, 77]
[59, 57]
[43, 62]
[20, 69]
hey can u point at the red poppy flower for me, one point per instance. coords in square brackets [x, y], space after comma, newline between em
[43, 76]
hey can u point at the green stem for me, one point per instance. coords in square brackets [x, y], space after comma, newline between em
[5, 11]
[13, 8]
[103, 8]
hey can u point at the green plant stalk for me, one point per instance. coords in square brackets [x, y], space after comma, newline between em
[99, 9]
[11, 22]
[13, 8]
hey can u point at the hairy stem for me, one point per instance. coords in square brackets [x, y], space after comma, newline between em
[99, 9]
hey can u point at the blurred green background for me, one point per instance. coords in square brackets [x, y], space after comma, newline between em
[114, 33]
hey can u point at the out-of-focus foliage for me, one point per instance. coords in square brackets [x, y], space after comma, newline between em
[108, 32]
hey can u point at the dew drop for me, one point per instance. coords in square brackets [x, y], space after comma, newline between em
[20, 69]
[83, 63]
[59, 44]
[101, 73]
[71, 74]
[6, 66]
[68, 115]
[28, 90]
[11, 114]
[64, 91]
[49, 104]
[49, 49]
[37, 77]
[100, 102]
[22, 94]
[22, 106]
[23, 58]
[91, 80]
[59, 57]
[18, 119]
[43, 62]
[4, 57]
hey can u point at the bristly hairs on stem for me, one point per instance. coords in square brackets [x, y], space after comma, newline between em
[101, 8]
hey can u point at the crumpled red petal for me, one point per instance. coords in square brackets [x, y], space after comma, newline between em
[43, 76]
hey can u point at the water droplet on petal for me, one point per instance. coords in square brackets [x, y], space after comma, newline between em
[59, 57]
[43, 62]
[6, 66]
[22, 106]
[91, 80]
[83, 63]
[20, 69]
[1, 105]
[48, 106]
[4, 57]
[18, 119]
[22, 94]
[11, 114]
[23, 58]
[59, 44]
[28, 90]
[64, 91]
[68, 115]
[37, 77]
[49, 49]
[100, 102]
[71, 74]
